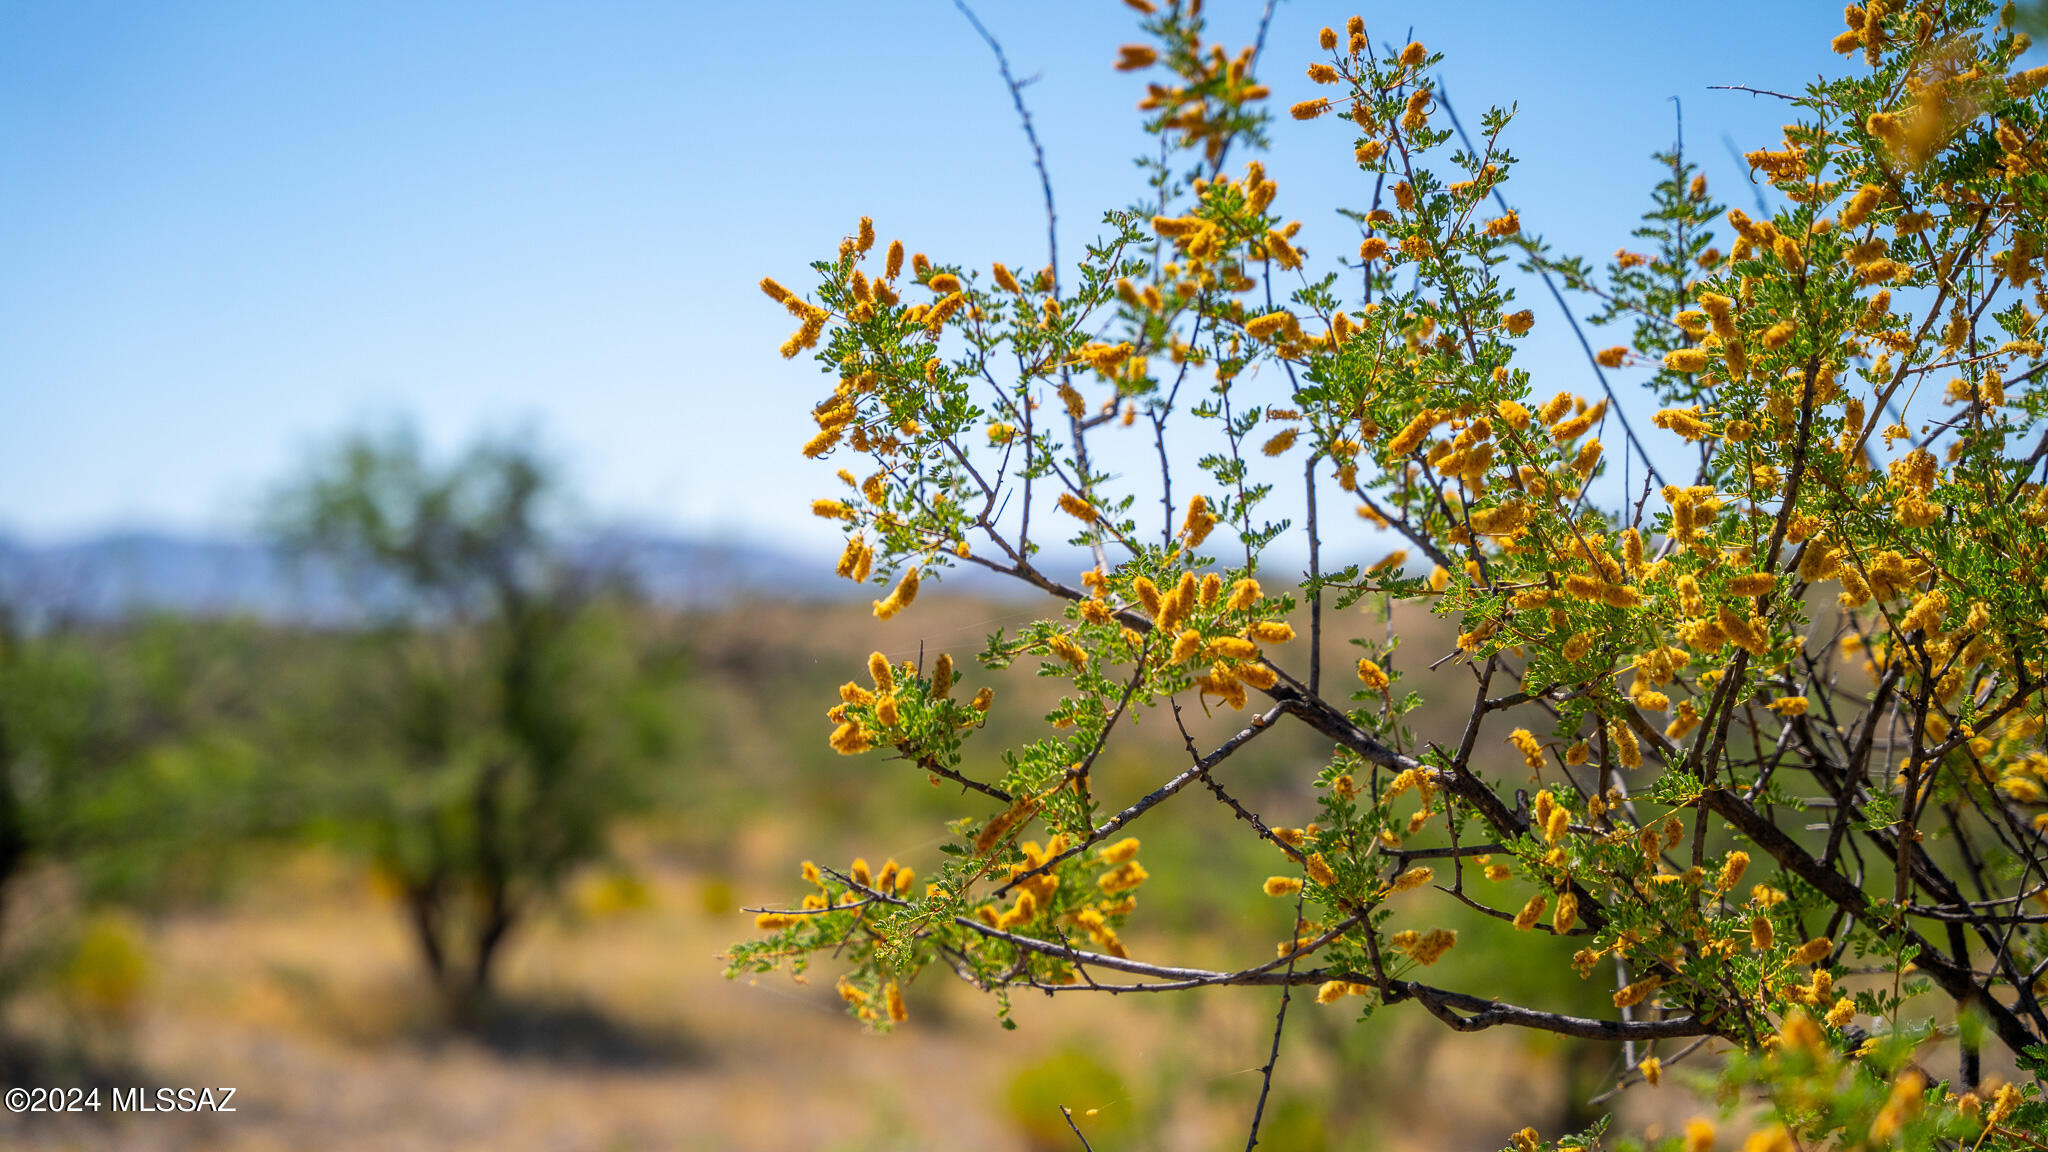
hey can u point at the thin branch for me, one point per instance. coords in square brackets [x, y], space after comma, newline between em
[1052, 238]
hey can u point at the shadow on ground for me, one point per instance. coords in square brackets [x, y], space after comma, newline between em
[577, 1035]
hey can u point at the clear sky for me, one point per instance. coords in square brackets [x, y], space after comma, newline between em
[232, 231]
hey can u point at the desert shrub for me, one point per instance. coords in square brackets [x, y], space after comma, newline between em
[1757, 738]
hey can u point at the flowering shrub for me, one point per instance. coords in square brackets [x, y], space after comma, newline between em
[1774, 719]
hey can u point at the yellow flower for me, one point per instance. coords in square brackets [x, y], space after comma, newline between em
[1135, 57]
[1525, 742]
[1078, 508]
[1123, 878]
[1686, 360]
[1271, 632]
[1282, 885]
[898, 600]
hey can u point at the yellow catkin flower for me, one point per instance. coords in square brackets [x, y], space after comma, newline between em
[942, 676]
[1332, 991]
[1416, 114]
[1699, 1134]
[1122, 878]
[1652, 1070]
[983, 699]
[1135, 57]
[898, 600]
[1282, 885]
[1309, 109]
[1186, 646]
[893, 996]
[1006, 280]
[1281, 442]
[880, 671]
[776, 921]
[1121, 851]
[1068, 651]
[2008, 1097]
[1731, 871]
[1909, 1091]
[1413, 878]
[1753, 584]
[1271, 632]
[1319, 870]
[1148, 596]
[1557, 824]
[1525, 920]
[1637, 992]
[1269, 325]
[1432, 946]
[1789, 705]
[1372, 676]
[1411, 435]
[1926, 613]
[1626, 748]
[849, 739]
[1078, 508]
[1199, 523]
[1686, 360]
[1760, 934]
[1684, 421]
[1813, 951]
[1567, 913]
[1234, 648]
[1243, 595]
[1526, 743]
[850, 560]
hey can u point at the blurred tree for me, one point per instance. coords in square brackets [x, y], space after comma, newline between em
[127, 757]
[492, 715]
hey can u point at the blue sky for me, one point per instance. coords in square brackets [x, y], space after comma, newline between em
[231, 231]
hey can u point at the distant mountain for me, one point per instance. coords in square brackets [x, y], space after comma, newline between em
[120, 574]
